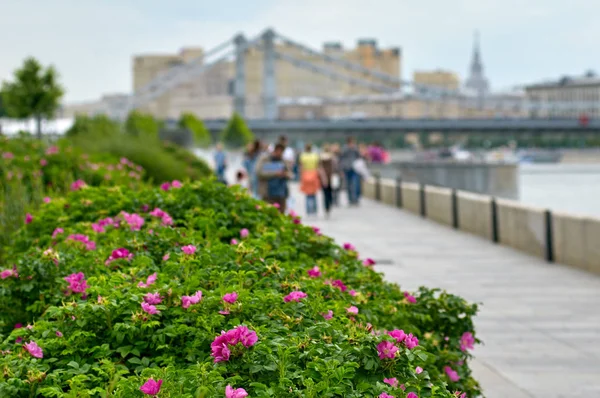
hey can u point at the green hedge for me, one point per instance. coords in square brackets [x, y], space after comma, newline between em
[99, 339]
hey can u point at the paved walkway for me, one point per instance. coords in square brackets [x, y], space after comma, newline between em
[540, 323]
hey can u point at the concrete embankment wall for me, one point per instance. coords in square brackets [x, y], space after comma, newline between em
[556, 237]
[495, 179]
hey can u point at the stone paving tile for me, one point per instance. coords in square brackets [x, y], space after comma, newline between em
[540, 322]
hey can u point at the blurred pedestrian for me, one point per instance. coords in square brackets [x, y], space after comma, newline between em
[309, 178]
[220, 163]
[336, 188]
[349, 155]
[329, 176]
[251, 156]
[273, 175]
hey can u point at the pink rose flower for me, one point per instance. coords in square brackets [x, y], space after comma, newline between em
[412, 395]
[77, 185]
[411, 299]
[411, 341]
[149, 281]
[386, 349]
[385, 395]
[149, 308]
[77, 282]
[328, 315]
[189, 249]
[295, 296]
[220, 346]
[187, 301]
[349, 247]
[244, 233]
[176, 184]
[452, 374]
[47, 199]
[34, 349]
[352, 310]
[418, 370]
[117, 254]
[28, 218]
[231, 392]
[151, 387]
[153, 298]
[165, 186]
[368, 262]
[314, 272]
[392, 382]
[230, 297]
[398, 335]
[59, 334]
[466, 341]
[234, 241]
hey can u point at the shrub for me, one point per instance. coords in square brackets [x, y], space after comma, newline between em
[140, 124]
[201, 134]
[236, 134]
[31, 171]
[100, 125]
[136, 313]
[159, 164]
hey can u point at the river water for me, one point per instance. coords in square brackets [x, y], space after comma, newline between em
[568, 188]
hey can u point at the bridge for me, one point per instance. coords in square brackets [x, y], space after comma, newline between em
[383, 129]
[385, 87]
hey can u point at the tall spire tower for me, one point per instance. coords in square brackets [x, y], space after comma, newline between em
[477, 81]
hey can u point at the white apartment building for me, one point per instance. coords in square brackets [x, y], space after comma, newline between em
[568, 97]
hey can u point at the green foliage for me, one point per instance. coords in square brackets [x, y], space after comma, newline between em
[109, 346]
[31, 171]
[35, 92]
[100, 125]
[141, 125]
[201, 134]
[236, 134]
[2, 109]
[192, 161]
[159, 164]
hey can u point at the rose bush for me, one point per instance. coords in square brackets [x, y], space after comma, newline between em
[31, 173]
[114, 291]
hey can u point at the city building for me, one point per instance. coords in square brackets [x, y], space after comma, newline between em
[437, 78]
[104, 106]
[567, 97]
[477, 83]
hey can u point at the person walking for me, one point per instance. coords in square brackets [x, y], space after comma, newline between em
[251, 157]
[349, 155]
[273, 175]
[309, 178]
[336, 188]
[329, 176]
[220, 163]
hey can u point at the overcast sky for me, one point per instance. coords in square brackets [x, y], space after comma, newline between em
[91, 42]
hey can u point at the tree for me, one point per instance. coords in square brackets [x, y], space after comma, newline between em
[139, 124]
[236, 134]
[35, 92]
[201, 134]
[2, 110]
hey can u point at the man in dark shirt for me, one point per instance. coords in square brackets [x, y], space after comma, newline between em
[349, 155]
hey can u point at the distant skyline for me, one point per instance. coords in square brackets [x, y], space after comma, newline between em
[92, 42]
